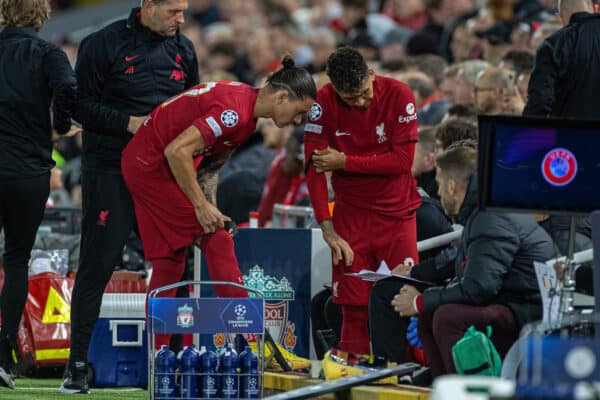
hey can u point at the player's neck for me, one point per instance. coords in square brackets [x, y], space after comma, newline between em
[263, 108]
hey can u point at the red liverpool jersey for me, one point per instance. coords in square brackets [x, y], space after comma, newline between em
[223, 112]
[391, 118]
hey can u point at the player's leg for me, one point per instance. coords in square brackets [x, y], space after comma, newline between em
[352, 293]
[222, 262]
[166, 271]
[395, 239]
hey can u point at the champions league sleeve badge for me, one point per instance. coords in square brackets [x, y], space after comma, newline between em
[559, 167]
[229, 118]
[315, 112]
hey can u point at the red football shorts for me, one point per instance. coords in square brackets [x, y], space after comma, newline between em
[166, 218]
[374, 237]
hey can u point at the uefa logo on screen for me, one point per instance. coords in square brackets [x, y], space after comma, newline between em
[559, 167]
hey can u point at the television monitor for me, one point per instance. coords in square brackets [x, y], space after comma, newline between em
[539, 165]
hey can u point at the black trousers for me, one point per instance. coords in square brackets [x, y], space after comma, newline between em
[22, 204]
[108, 218]
[386, 328]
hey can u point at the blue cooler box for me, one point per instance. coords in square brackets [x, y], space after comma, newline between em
[118, 352]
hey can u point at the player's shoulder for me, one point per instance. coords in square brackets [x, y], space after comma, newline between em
[235, 96]
[324, 103]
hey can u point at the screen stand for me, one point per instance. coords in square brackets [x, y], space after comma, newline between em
[567, 311]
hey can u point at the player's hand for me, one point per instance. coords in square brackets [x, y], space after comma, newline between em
[210, 218]
[402, 269]
[328, 160]
[135, 123]
[340, 249]
[73, 130]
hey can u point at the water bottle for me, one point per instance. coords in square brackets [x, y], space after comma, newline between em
[228, 373]
[208, 374]
[248, 374]
[164, 375]
[189, 368]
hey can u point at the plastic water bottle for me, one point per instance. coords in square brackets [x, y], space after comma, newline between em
[164, 376]
[248, 374]
[189, 369]
[228, 373]
[208, 374]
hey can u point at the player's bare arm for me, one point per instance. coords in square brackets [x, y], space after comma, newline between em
[340, 249]
[208, 176]
[179, 154]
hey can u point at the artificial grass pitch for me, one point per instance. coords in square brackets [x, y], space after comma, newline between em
[47, 389]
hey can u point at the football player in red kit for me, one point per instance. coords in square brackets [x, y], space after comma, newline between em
[363, 128]
[198, 129]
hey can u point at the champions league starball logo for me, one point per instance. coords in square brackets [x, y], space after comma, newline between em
[559, 167]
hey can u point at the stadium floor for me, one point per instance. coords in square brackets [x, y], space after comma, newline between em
[47, 389]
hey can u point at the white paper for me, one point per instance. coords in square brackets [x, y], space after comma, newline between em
[384, 272]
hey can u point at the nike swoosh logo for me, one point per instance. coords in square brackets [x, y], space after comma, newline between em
[130, 58]
[338, 133]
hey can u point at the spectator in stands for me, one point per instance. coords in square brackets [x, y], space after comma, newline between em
[323, 42]
[117, 88]
[459, 81]
[363, 129]
[439, 13]
[408, 14]
[423, 167]
[517, 60]
[453, 131]
[286, 183]
[565, 80]
[462, 112]
[197, 130]
[34, 76]
[393, 47]
[496, 92]
[495, 282]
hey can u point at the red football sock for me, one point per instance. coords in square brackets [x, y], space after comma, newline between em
[166, 271]
[222, 263]
[355, 329]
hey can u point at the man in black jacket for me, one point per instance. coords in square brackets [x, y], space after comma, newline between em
[124, 71]
[33, 75]
[565, 81]
[495, 282]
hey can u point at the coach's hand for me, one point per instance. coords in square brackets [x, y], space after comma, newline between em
[135, 123]
[210, 218]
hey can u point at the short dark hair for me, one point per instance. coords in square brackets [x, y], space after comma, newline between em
[454, 131]
[459, 160]
[347, 69]
[297, 81]
[462, 111]
[522, 60]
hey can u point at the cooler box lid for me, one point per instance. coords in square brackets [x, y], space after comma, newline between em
[123, 305]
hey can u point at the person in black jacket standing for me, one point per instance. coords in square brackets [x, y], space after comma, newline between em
[495, 282]
[565, 81]
[33, 74]
[124, 71]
